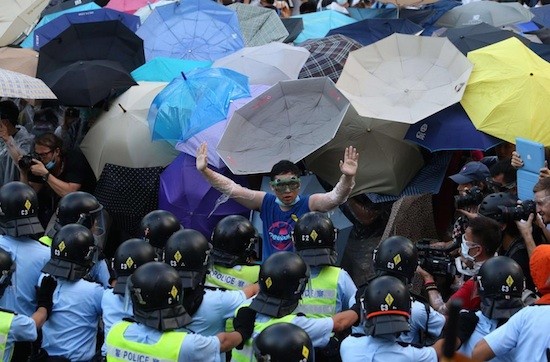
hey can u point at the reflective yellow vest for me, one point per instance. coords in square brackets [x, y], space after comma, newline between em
[46, 240]
[231, 278]
[167, 349]
[5, 324]
[319, 300]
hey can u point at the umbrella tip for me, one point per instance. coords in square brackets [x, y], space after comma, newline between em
[183, 75]
[121, 107]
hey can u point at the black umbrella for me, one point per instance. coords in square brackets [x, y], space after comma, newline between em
[84, 83]
[543, 34]
[542, 50]
[59, 5]
[105, 40]
[294, 26]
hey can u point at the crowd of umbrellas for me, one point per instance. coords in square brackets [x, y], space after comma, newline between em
[258, 89]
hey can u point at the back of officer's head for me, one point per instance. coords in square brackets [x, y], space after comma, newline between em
[396, 256]
[283, 342]
[233, 241]
[157, 226]
[314, 238]
[19, 210]
[129, 256]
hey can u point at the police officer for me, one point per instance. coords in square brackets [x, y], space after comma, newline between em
[283, 279]
[116, 304]
[234, 240]
[158, 331]
[71, 329]
[500, 284]
[283, 342]
[157, 226]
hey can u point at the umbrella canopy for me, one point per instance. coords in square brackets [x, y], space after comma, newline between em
[318, 24]
[194, 102]
[63, 5]
[186, 194]
[18, 85]
[450, 129]
[213, 134]
[19, 60]
[490, 12]
[194, 29]
[310, 185]
[542, 50]
[259, 25]
[162, 69]
[387, 163]
[55, 27]
[294, 26]
[507, 94]
[121, 136]
[288, 121]
[146, 10]
[542, 15]
[371, 13]
[18, 16]
[128, 6]
[404, 78]
[328, 56]
[543, 34]
[266, 64]
[478, 36]
[371, 30]
[405, 3]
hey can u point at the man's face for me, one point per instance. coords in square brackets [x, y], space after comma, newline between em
[463, 188]
[474, 247]
[542, 200]
[286, 187]
[45, 154]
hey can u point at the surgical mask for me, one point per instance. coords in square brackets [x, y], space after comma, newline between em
[465, 248]
[50, 165]
[461, 262]
[341, 2]
[280, 203]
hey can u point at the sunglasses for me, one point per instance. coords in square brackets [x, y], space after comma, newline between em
[282, 185]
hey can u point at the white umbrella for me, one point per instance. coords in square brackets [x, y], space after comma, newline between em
[18, 85]
[17, 17]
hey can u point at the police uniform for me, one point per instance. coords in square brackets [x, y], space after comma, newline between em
[115, 309]
[421, 322]
[217, 306]
[374, 349]
[234, 278]
[14, 328]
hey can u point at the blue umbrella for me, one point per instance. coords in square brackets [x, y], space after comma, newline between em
[542, 50]
[193, 29]
[371, 30]
[193, 102]
[55, 27]
[371, 13]
[542, 15]
[29, 40]
[163, 69]
[450, 129]
[318, 24]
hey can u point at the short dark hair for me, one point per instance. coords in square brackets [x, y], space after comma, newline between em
[9, 111]
[488, 232]
[542, 185]
[505, 168]
[49, 140]
[308, 7]
[284, 166]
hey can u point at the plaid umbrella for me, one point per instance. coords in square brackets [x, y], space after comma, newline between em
[17, 85]
[328, 56]
[259, 25]
[19, 60]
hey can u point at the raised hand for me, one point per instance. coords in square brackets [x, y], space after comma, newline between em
[202, 157]
[348, 166]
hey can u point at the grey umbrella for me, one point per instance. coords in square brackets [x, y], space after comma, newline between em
[490, 12]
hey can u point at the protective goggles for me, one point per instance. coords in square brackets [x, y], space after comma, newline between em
[286, 185]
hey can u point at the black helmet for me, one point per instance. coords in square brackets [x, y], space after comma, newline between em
[283, 278]
[7, 267]
[396, 256]
[157, 297]
[283, 342]
[188, 252]
[19, 209]
[72, 252]
[233, 241]
[501, 284]
[492, 205]
[386, 306]
[129, 256]
[314, 236]
[157, 226]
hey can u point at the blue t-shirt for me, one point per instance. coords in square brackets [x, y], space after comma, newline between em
[278, 224]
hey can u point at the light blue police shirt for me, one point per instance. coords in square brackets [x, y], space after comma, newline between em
[22, 329]
[217, 306]
[378, 349]
[436, 322]
[100, 273]
[113, 307]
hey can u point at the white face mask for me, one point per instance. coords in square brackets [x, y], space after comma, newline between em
[461, 262]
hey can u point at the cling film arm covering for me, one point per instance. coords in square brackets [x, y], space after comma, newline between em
[339, 194]
[244, 196]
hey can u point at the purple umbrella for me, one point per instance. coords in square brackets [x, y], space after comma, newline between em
[186, 194]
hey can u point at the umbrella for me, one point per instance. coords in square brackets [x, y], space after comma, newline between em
[163, 69]
[490, 12]
[186, 194]
[17, 85]
[213, 134]
[259, 25]
[87, 82]
[507, 94]
[318, 24]
[387, 163]
[542, 50]
[542, 15]
[310, 185]
[328, 56]
[19, 60]
[121, 136]
[543, 34]
[288, 121]
[404, 78]
[405, 3]
[266, 64]
[371, 13]
[29, 40]
[294, 26]
[145, 11]
[450, 129]
[371, 30]
[477, 36]
[128, 6]
[63, 5]
[194, 102]
[105, 40]
[58, 25]
[17, 17]
[194, 29]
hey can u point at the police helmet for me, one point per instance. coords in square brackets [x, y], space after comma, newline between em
[396, 256]
[157, 297]
[188, 252]
[234, 239]
[283, 342]
[19, 209]
[314, 237]
[283, 278]
[492, 205]
[7, 267]
[72, 252]
[157, 226]
[386, 306]
[501, 284]
[129, 256]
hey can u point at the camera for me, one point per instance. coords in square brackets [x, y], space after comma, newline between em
[473, 196]
[436, 261]
[26, 162]
[516, 213]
